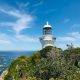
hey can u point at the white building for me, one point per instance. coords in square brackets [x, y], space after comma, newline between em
[47, 38]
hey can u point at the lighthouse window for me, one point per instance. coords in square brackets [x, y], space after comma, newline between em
[48, 31]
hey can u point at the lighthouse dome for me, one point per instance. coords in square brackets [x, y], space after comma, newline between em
[47, 25]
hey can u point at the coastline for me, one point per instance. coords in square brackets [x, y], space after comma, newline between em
[1, 78]
[3, 74]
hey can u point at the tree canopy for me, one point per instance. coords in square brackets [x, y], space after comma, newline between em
[50, 63]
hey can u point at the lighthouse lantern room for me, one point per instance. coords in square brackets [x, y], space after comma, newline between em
[47, 39]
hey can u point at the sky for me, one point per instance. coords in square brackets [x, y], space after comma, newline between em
[22, 21]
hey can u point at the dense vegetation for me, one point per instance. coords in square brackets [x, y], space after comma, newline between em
[50, 63]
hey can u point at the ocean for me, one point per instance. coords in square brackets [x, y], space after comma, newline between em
[6, 57]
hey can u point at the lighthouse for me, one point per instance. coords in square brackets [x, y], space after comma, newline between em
[47, 38]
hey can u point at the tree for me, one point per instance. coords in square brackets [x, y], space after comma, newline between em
[50, 63]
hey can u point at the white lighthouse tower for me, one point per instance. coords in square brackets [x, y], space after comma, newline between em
[47, 38]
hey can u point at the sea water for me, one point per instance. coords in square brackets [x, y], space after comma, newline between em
[6, 57]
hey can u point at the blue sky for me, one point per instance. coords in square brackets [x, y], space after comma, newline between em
[21, 23]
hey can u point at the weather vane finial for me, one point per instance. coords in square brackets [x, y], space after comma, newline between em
[47, 23]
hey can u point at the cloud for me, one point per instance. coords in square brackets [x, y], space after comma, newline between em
[75, 35]
[23, 20]
[66, 20]
[38, 4]
[23, 5]
[64, 39]
[26, 4]
[25, 38]
[18, 38]
[76, 26]
[15, 13]
[3, 41]
[71, 37]
[19, 21]
[50, 11]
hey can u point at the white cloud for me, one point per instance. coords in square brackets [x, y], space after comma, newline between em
[23, 20]
[25, 38]
[4, 38]
[23, 5]
[6, 24]
[77, 45]
[75, 35]
[15, 13]
[26, 4]
[18, 38]
[66, 20]
[37, 4]
[3, 41]
[71, 37]
[76, 26]
[64, 39]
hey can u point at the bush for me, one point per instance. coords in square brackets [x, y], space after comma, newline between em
[50, 63]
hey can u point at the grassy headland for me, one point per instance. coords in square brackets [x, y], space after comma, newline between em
[50, 63]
